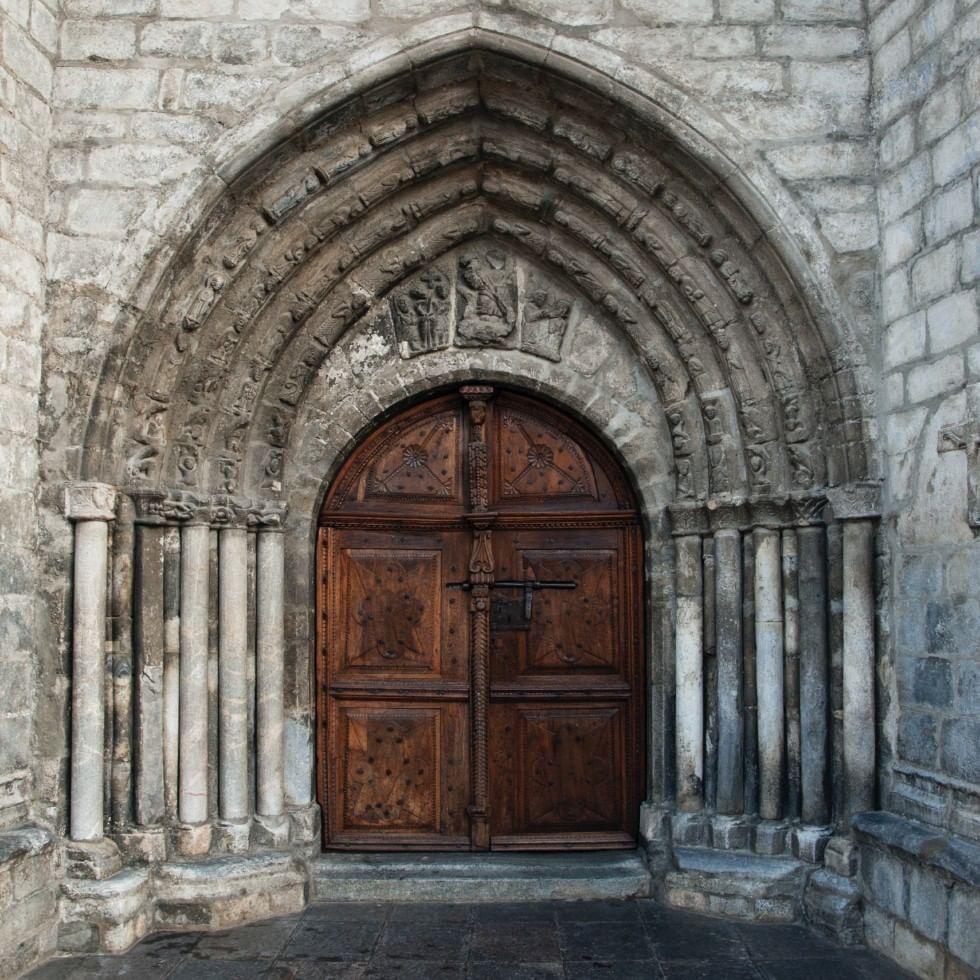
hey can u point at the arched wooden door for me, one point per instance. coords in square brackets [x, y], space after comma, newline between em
[480, 677]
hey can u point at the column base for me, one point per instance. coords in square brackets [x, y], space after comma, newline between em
[832, 904]
[770, 837]
[92, 860]
[809, 843]
[232, 836]
[691, 829]
[304, 824]
[731, 833]
[142, 845]
[655, 837]
[841, 856]
[192, 840]
[270, 831]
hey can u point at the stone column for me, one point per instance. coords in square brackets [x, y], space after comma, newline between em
[232, 677]
[769, 671]
[728, 647]
[148, 649]
[814, 675]
[121, 618]
[171, 668]
[857, 506]
[270, 644]
[791, 670]
[193, 749]
[90, 506]
[689, 659]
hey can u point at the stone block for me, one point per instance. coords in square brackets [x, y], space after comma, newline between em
[818, 10]
[952, 321]
[270, 831]
[232, 837]
[25, 60]
[964, 934]
[809, 843]
[691, 828]
[146, 845]
[949, 212]
[940, 112]
[732, 833]
[838, 159]
[192, 840]
[935, 274]
[135, 164]
[928, 901]
[850, 231]
[196, 8]
[665, 12]
[92, 860]
[918, 954]
[892, 57]
[918, 738]
[684, 898]
[879, 930]
[187, 39]
[952, 625]
[970, 261]
[889, 19]
[106, 88]
[832, 904]
[932, 682]
[885, 881]
[957, 152]
[905, 189]
[781, 41]
[841, 857]
[902, 239]
[958, 753]
[905, 340]
[86, 40]
[240, 44]
[753, 11]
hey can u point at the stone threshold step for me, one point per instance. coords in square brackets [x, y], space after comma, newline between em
[479, 877]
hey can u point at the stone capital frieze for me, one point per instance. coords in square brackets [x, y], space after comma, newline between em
[855, 501]
[267, 515]
[90, 502]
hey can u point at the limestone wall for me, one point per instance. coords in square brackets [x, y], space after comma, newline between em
[927, 87]
[29, 39]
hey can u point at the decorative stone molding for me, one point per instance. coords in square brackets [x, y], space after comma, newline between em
[855, 501]
[772, 512]
[181, 506]
[269, 515]
[90, 502]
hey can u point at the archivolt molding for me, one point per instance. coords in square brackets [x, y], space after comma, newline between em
[471, 156]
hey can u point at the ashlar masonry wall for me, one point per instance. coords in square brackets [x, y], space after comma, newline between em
[921, 876]
[28, 888]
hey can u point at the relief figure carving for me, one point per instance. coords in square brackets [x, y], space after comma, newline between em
[487, 300]
[545, 323]
[421, 314]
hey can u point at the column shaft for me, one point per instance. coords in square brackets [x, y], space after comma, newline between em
[171, 667]
[148, 649]
[728, 646]
[769, 671]
[689, 682]
[88, 679]
[751, 741]
[859, 673]
[193, 763]
[814, 675]
[123, 537]
[791, 668]
[232, 679]
[270, 649]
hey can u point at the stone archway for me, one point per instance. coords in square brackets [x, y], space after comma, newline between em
[329, 284]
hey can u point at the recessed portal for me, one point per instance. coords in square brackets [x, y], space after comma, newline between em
[480, 674]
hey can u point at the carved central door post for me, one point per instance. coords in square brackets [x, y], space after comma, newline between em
[481, 569]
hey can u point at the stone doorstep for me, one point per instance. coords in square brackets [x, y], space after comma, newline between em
[475, 878]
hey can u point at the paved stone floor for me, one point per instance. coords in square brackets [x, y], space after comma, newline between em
[620, 940]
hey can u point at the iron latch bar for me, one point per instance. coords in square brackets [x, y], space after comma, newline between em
[530, 586]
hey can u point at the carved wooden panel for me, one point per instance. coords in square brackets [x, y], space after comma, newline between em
[420, 463]
[391, 609]
[537, 460]
[573, 630]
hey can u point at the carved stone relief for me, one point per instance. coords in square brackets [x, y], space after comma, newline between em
[420, 312]
[486, 299]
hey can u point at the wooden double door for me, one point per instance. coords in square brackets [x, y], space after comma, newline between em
[479, 645]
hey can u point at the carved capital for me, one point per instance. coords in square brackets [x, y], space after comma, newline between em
[772, 512]
[267, 515]
[229, 511]
[687, 519]
[855, 501]
[90, 502]
[724, 514]
[808, 510]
